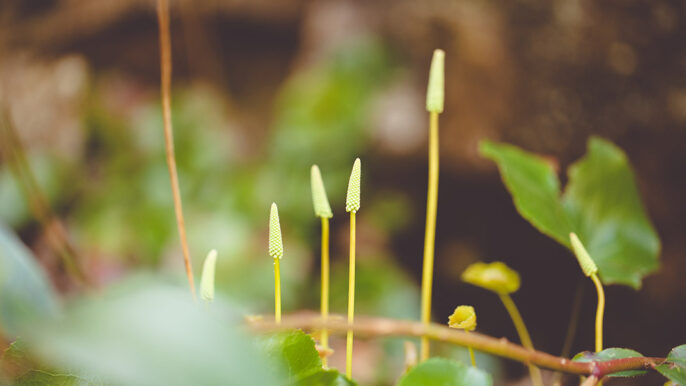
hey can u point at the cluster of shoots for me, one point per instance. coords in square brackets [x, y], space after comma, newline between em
[496, 277]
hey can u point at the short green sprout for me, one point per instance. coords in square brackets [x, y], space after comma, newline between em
[352, 200]
[275, 242]
[463, 318]
[207, 279]
[322, 208]
[496, 277]
[585, 261]
[435, 90]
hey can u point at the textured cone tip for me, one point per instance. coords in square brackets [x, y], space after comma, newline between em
[319, 200]
[585, 261]
[352, 200]
[207, 279]
[435, 90]
[275, 242]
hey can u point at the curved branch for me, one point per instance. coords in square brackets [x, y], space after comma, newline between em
[384, 327]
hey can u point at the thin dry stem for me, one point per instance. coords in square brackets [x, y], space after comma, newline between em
[166, 68]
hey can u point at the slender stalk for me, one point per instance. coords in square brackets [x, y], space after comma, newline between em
[430, 234]
[471, 353]
[599, 313]
[277, 290]
[351, 301]
[325, 284]
[384, 327]
[166, 70]
[523, 333]
[571, 329]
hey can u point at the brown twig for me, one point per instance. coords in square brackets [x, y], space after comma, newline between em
[166, 70]
[384, 327]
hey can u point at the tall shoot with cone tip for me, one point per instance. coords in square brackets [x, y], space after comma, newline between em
[322, 209]
[434, 104]
[352, 205]
[276, 252]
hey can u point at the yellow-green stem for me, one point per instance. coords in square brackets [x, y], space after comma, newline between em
[471, 353]
[277, 291]
[430, 235]
[325, 283]
[523, 333]
[351, 301]
[599, 313]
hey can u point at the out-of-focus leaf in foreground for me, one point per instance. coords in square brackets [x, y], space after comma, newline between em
[445, 372]
[675, 368]
[296, 353]
[144, 333]
[600, 204]
[25, 293]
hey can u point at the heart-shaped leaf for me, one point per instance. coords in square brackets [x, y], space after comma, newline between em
[445, 372]
[610, 354]
[600, 204]
[675, 368]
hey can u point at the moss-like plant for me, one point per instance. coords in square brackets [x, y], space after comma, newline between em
[591, 270]
[464, 318]
[503, 280]
[322, 209]
[434, 104]
[276, 252]
[352, 205]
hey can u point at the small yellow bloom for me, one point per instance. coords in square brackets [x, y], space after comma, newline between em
[463, 318]
[495, 276]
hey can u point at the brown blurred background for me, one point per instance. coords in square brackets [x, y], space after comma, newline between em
[81, 78]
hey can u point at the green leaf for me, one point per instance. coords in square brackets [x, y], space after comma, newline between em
[41, 378]
[143, 332]
[295, 351]
[444, 372]
[610, 354]
[600, 204]
[675, 369]
[25, 292]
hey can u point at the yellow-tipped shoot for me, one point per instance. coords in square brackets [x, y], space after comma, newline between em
[464, 318]
[207, 279]
[322, 209]
[352, 205]
[434, 104]
[591, 270]
[276, 252]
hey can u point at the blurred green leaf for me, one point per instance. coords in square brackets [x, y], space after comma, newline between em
[675, 369]
[600, 203]
[445, 372]
[146, 333]
[610, 354]
[42, 378]
[296, 353]
[25, 292]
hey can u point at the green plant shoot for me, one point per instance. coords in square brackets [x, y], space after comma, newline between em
[434, 104]
[276, 252]
[322, 209]
[352, 205]
[207, 278]
[591, 270]
[503, 280]
[464, 318]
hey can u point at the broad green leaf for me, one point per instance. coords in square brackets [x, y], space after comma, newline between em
[25, 292]
[149, 333]
[675, 369]
[610, 354]
[296, 353]
[445, 372]
[41, 378]
[600, 204]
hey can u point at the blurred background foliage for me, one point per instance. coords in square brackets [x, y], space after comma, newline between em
[265, 89]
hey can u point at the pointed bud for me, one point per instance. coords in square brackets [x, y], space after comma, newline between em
[585, 261]
[207, 279]
[352, 200]
[321, 202]
[275, 242]
[435, 90]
